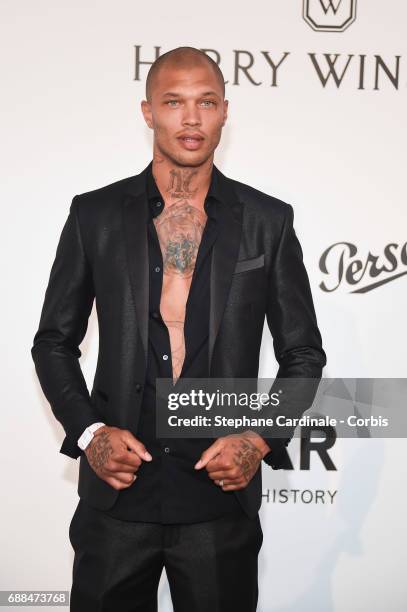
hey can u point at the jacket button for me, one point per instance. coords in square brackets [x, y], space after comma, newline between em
[138, 387]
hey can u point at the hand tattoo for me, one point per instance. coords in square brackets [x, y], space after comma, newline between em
[99, 451]
[246, 456]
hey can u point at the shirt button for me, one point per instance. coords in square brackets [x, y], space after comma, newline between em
[165, 357]
[157, 268]
[158, 204]
[166, 449]
[155, 314]
[138, 387]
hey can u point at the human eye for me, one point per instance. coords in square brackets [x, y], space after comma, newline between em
[208, 103]
[169, 102]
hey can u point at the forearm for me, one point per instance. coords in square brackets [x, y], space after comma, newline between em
[64, 318]
[296, 338]
[64, 386]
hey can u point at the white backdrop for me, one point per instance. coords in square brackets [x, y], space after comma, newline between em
[72, 123]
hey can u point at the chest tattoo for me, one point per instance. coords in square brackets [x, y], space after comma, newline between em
[179, 228]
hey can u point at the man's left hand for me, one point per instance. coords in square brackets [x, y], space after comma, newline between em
[232, 461]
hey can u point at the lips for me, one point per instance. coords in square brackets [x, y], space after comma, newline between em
[191, 137]
[191, 141]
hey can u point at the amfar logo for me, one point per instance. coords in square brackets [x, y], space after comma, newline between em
[329, 15]
[346, 267]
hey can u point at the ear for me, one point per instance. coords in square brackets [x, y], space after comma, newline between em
[225, 111]
[147, 114]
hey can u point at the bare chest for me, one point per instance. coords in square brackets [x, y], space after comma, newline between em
[179, 228]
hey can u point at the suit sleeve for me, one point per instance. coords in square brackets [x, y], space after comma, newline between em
[63, 323]
[296, 338]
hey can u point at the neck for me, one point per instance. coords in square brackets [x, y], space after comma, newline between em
[182, 182]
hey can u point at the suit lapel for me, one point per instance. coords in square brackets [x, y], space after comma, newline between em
[135, 220]
[224, 255]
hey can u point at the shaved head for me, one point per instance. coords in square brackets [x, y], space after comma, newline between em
[185, 106]
[186, 58]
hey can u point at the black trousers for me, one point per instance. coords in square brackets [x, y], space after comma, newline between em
[211, 566]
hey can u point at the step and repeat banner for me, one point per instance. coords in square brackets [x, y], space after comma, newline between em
[317, 118]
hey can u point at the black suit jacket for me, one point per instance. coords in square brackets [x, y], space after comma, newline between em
[257, 271]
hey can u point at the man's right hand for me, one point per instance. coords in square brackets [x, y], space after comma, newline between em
[115, 455]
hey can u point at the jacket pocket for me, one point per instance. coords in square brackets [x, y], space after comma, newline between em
[249, 264]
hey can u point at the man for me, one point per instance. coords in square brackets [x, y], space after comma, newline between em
[184, 265]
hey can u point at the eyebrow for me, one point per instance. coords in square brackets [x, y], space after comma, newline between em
[177, 95]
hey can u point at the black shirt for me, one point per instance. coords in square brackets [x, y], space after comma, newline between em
[168, 489]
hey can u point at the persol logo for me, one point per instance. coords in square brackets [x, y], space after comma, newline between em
[343, 266]
[329, 15]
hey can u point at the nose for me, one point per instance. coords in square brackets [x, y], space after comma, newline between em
[191, 115]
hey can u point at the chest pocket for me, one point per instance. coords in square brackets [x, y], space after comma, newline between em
[248, 286]
[253, 263]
